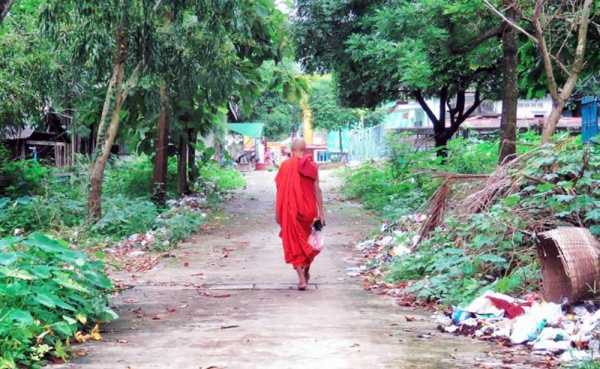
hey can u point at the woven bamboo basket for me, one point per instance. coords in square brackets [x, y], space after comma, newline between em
[569, 263]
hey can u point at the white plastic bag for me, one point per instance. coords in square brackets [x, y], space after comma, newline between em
[316, 240]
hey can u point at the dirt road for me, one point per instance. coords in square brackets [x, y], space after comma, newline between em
[228, 300]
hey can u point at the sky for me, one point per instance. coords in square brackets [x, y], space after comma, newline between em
[281, 5]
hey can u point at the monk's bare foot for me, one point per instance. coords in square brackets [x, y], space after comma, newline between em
[302, 283]
[306, 274]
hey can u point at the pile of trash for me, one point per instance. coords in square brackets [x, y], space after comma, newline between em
[570, 333]
[395, 239]
[139, 244]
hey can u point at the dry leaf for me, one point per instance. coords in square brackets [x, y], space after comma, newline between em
[355, 345]
[130, 301]
[186, 264]
[121, 341]
[171, 310]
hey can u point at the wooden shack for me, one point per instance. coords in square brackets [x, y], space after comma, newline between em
[51, 144]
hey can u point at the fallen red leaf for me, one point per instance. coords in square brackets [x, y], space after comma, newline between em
[186, 264]
[171, 310]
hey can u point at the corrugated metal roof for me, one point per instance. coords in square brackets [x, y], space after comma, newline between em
[18, 134]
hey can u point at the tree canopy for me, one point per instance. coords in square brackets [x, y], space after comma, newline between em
[384, 51]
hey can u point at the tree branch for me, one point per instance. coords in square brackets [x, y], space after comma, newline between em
[552, 88]
[5, 6]
[529, 35]
[132, 81]
[479, 40]
[475, 105]
[419, 97]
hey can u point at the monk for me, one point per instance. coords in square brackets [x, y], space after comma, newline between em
[299, 203]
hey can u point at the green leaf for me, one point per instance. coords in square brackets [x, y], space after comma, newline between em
[491, 258]
[9, 241]
[564, 198]
[98, 279]
[512, 200]
[45, 300]
[595, 230]
[24, 200]
[69, 320]
[545, 187]
[21, 316]
[44, 243]
[63, 329]
[8, 259]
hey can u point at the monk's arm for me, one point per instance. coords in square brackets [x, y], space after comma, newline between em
[319, 197]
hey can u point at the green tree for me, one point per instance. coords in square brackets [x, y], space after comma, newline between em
[27, 67]
[559, 32]
[327, 111]
[383, 51]
[279, 106]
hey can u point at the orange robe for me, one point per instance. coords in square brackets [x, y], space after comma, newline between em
[296, 208]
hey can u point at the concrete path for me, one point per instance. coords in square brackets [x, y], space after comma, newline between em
[228, 300]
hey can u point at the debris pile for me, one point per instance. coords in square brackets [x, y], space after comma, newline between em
[137, 245]
[547, 328]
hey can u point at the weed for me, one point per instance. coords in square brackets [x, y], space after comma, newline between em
[49, 293]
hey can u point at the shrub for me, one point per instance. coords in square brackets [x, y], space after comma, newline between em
[49, 293]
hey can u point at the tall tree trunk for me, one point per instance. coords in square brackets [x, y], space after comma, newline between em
[182, 179]
[193, 170]
[159, 178]
[510, 89]
[4, 8]
[99, 163]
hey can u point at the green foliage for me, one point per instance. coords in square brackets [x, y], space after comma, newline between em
[379, 51]
[124, 216]
[180, 225]
[26, 177]
[224, 179]
[48, 292]
[327, 111]
[490, 247]
[133, 176]
[27, 64]
[472, 155]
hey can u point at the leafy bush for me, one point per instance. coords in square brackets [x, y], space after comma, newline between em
[486, 240]
[224, 179]
[181, 224]
[25, 177]
[49, 293]
[472, 155]
[549, 187]
[124, 216]
[374, 185]
[132, 176]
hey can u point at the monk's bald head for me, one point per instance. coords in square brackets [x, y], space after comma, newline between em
[298, 147]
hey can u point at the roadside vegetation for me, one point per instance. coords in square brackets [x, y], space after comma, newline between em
[53, 283]
[479, 219]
